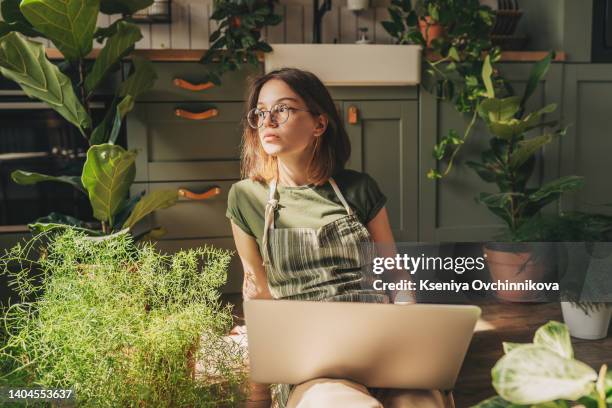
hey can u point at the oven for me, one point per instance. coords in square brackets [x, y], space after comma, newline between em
[35, 138]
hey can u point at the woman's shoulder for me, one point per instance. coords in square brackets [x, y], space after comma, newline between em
[248, 186]
[353, 179]
[362, 192]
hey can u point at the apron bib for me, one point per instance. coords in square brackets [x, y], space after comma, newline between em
[325, 264]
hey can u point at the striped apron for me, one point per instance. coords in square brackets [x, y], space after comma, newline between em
[325, 264]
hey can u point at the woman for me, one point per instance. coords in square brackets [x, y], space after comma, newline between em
[299, 219]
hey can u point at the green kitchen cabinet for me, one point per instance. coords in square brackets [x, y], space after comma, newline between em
[174, 147]
[384, 143]
[447, 207]
[587, 147]
[190, 139]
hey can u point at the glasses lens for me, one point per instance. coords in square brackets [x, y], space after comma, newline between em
[255, 117]
[280, 113]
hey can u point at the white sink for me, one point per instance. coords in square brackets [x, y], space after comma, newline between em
[351, 64]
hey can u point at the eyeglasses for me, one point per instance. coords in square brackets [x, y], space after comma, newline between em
[279, 114]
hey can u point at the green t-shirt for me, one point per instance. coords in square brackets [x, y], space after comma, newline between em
[304, 206]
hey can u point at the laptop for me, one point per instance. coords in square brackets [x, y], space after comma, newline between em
[416, 346]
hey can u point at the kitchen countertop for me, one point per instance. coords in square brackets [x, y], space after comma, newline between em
[168, 55]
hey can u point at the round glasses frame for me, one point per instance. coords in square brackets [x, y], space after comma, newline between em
[275, 113]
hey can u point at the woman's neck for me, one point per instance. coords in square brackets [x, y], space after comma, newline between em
[292, 171]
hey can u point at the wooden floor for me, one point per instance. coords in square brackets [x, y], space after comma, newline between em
[513, 322]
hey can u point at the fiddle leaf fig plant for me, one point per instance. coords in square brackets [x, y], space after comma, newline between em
[510, 161]
[68, 88]
[237, 40]
[545, 374]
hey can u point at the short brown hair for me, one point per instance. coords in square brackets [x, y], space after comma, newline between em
[332, 148]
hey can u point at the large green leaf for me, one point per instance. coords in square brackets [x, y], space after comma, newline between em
[487, 71]
[533, 119]
[556, 187]
[126, 210]
[508, 346]
[123, 6]
[29, 178]
[495, 110]
[537, 74]
[506, 129]
[527, 148]
[116, 47]
[155, 200]
[533, 374]
[25, 62]
[70, 24]
[556, 337]
[108, 174]
[57, 220]
[14, 19]
[108, 129]
[141, 79]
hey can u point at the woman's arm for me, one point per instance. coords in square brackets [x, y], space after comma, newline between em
[255, 284]
[380, 230]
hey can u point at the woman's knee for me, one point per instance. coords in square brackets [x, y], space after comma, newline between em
[328, 392]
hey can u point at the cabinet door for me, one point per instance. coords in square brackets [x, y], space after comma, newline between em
[384, 145]
[587, 146]
[447, 207]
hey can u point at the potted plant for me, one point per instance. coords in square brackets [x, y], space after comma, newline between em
[546, 374]
[119, 323]
[454, 63]
[69, 87]
[509, 164]
[237, 39]
[583, 261]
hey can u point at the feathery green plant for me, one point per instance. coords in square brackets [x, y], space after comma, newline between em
[119, 323]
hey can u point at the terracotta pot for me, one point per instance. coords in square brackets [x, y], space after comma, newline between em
[514, 267]
[430, 30]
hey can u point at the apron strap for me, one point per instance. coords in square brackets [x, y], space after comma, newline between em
[269, 220]
[349, 210]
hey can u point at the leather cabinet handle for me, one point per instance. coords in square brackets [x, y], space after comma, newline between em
[353, 115]
[190, 195]
[207, 114]
[183, 84]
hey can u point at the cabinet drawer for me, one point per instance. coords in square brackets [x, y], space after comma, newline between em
[160, 136]
[233, 88]
[189, 218]
[234, 272]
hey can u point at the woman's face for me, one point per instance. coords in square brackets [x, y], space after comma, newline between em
[294, 137]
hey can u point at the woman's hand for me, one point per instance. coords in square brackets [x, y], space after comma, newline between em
[238, 330]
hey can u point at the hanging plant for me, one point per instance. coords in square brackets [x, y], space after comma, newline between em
[237, 40]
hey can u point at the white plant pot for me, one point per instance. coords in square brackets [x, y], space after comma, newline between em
[592, 326]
